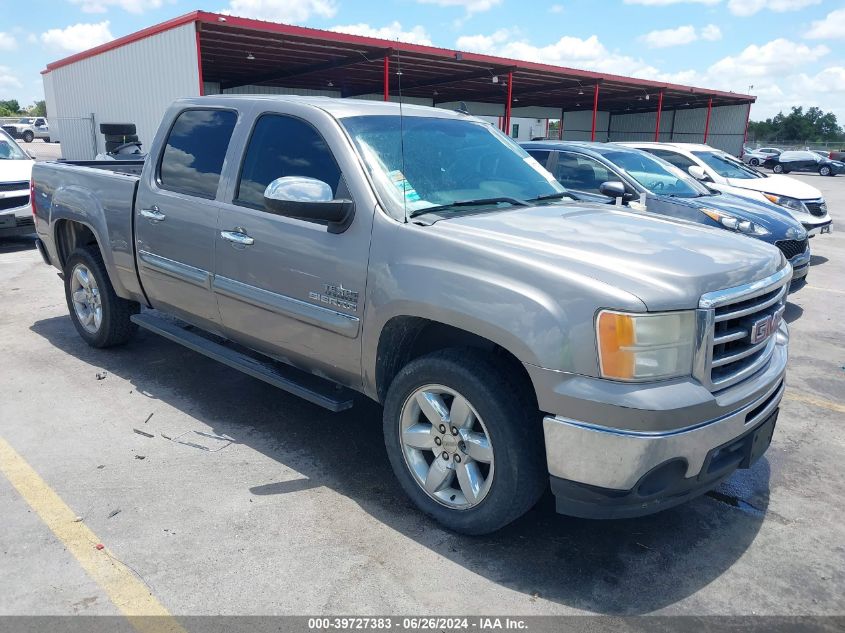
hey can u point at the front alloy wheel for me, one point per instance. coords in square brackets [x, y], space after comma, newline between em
[824, 171]
[85, 294]
[446, 447]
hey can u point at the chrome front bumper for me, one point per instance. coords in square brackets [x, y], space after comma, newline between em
[618, 459]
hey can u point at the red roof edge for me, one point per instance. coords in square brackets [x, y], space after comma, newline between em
[193, 16]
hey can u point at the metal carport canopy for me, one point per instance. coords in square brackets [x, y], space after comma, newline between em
[297, 57]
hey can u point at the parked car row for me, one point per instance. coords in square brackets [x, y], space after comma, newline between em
[806, 161]
[603, 172]
[28, 129]
[516, 336]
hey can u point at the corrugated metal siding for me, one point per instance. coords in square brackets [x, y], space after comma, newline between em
[577, 126]
[727, 128]
[639, 126]
[134, 83]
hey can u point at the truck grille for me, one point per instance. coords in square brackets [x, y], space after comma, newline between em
[19, 185]
[730, 316]
[25, 221]
[792, 248]
[817, 208]
[11, 203]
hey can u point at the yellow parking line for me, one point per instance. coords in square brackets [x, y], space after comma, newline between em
[816, 402]
[127, 592]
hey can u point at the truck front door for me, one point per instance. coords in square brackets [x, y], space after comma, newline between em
[288, 287]
[176, 215]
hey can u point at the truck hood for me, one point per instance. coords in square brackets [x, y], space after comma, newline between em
[664, 263]
[779, 185]
[15, 170]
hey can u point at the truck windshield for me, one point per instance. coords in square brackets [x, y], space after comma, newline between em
[9, 150]
[657, 176]
[727, 166]
[446, 161]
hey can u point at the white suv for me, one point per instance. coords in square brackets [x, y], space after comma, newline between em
[726, 173]
[15, 173]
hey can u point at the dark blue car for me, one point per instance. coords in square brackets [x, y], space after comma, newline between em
[604, 172]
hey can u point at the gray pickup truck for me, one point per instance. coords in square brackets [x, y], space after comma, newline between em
[420, 257]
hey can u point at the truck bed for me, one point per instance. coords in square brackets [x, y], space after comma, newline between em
[132, 167]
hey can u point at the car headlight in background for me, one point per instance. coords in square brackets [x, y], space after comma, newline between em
[734, 223]
[645, 346]
[793, 204]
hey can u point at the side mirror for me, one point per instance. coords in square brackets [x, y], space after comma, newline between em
[698, 173]
[614, 189]
[308, 199]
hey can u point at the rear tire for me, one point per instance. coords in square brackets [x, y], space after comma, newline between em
[121, 138]
[98, 314]
[754, 162]
[496, 417]
[28, 136]
[825, 170]
[778, 169]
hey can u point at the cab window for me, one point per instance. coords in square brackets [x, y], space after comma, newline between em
[192, 159]
[283, 146]
[678, 160]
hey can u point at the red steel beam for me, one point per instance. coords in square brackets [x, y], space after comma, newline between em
[386, 78]
[507, 129]
[707, 120]
[659, 111]
[198, 26]
[745, 137]
[595, 112]
[560, 127]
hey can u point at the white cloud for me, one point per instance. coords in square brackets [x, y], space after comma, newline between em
[8, 81]
[77, 37]
[744, 8]
[664, 38]
[831, 27]
[710, 33]
[132, 6]
[663, 3]
[471, 6]
[7, 42]
[288, 11]
[773, 59]
[393, 31]
[556, 8]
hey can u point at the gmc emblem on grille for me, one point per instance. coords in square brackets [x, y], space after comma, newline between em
[765, 327]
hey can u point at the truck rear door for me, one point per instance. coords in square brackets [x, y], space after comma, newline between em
[176, 215]
[289, 287]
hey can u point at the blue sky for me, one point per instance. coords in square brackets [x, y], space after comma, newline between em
[791, 51]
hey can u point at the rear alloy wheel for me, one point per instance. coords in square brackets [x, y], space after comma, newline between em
[753, 162]
[465, 443]
[824, 170]
[28, 136]
[85, 298]
[778, 169]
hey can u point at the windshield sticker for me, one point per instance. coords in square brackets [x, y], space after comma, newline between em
[401, 183]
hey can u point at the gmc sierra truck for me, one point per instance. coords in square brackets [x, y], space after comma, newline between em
[420, 257]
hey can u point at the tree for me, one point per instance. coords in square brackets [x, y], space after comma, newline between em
[11, 106]
[39, 108]
[813, 126]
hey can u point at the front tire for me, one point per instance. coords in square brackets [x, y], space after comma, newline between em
[99, 315]
[778, 169]
[754, 162]
[465, 447]
[824, 170]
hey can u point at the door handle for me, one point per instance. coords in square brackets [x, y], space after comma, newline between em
[238, 236]
[153, 214]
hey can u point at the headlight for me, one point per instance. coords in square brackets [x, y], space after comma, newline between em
[734, 223]
[785, 201]
[645, 346]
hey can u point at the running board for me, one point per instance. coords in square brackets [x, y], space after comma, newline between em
[312, 388]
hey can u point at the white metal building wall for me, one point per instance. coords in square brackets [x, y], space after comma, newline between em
[727, 127]
[134, 83]
[577, 125]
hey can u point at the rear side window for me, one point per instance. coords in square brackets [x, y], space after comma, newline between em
[283, 146]
[678, 160]
[582, 173]
[194, 153]
[541, 156]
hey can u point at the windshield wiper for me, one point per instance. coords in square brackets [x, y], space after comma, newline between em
[469, 203]
[551, 196]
